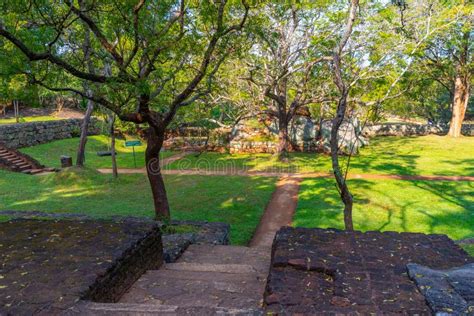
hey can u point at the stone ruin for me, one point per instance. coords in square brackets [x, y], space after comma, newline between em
[305, 134]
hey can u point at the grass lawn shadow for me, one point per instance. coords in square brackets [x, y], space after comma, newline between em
[405, 206]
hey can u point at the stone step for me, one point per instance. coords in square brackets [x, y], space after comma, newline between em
[24, 168]
[198, 288]
[258, 258]
[36, 171]
[23, 163]
[124, 309]
[8, 156]
[211, 267]
[17, 162]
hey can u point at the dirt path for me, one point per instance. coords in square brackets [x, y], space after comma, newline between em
[296, 175]
[279, 212]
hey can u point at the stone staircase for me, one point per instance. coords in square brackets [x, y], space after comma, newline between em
[16, 161]
[206, 280]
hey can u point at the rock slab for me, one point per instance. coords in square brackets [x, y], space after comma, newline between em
[330, 271]
[446, 291]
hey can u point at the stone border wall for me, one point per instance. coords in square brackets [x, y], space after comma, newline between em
[145, 254]
[34, 133]
[311, 145]
[408, 129]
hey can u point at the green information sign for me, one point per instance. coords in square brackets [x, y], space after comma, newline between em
[132, 143]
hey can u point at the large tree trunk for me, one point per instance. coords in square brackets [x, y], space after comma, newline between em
[461, 88]
[81, 150]
[345, 194]
[155, 138]
[460, 101]
[283, 138]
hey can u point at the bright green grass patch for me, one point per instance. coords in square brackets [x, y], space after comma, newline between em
[426, 155]
[28, 119]
[231, 162]
[239, 201]
[48, 154]
[4, 218]
[469, 249]
[431, 207]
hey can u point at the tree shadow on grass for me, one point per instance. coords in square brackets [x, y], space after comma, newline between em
[460, 193]
[383, 155]
[467, 167]
[404, 206]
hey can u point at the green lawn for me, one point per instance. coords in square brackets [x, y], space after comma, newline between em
[469, 249]
[48, 154]
[27, 119]
[426, 155]
[239, 201]
[431, 207]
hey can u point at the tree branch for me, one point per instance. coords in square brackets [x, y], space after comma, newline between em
[32, 56]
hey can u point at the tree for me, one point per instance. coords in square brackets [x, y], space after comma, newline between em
[87, 50]
[448, 60]
[283, 61]
[370, 61]
[439, 55]
[344, 90]
[234, 98]
[163, 56]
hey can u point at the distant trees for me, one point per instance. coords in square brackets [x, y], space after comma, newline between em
[448, 60]
[439, 53]
[282, 62]
[163, 55]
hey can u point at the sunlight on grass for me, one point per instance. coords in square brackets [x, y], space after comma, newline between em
[49, 154]
[432, 207]
[239, 201]
[469, 249]
[28, 119]
[426, 155]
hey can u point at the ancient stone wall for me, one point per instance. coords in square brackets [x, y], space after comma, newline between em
[407, 129]
[303, 133]
[34, 133]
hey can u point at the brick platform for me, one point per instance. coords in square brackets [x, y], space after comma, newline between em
[322, 271]
[46, 266]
